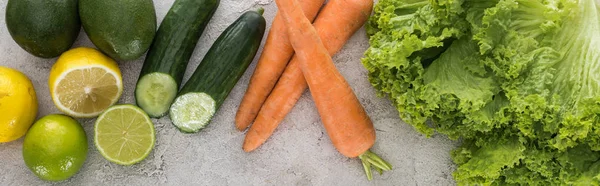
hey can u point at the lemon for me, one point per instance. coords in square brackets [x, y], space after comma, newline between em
[55, 147]
[124, 134]
[84, 82]
[18, 104]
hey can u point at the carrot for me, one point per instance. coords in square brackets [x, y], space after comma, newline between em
[336, 23]
[275, 56]
[346, 122]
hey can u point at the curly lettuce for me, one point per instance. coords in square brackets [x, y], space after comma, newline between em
[517, 81]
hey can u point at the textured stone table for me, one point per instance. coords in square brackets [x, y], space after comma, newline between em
[298, 153]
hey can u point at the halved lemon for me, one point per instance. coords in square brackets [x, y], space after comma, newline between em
[84, 82]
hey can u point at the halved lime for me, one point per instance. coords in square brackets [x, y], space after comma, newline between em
[124, 134]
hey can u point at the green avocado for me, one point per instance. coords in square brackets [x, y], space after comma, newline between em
[43, 28]
[122, 29]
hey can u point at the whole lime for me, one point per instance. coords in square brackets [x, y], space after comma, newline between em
[55, 147]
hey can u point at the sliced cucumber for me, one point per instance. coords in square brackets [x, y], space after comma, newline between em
[194, 111]
[170, 53]
[222, 66]
[155, 92]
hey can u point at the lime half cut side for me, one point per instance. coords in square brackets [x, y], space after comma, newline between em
[124, 134]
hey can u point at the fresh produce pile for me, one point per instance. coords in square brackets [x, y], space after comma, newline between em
[87, 83]
[516, 80]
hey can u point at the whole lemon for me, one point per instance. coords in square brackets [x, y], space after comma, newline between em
[18, 104]
[55, 147]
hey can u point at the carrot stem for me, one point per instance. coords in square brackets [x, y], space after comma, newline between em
[367, 167]
[371, 159]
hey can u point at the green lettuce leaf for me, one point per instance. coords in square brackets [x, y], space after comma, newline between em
[404, 35]
[456, 89]
[485, 163]
[517, 81]
[576, 83]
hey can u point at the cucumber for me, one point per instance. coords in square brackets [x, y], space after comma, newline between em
[122, 29]
[170, 53]
[223, 65]
[45, 29]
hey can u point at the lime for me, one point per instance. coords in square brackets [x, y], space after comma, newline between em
[84, 82]
[124, 134]
[18, 104]
[55, 147]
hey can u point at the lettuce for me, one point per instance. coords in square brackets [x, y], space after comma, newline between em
[517, 81]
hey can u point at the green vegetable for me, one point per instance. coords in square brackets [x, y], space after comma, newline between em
[170, 53]
[222, 66]
[517, 80]
[43, 28]
[122, 29]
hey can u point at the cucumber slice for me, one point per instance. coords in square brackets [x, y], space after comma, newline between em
[220, 69]
[171, 50]
[192, 111]
[155, 92]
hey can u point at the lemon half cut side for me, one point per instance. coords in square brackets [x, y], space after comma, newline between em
[84, 83]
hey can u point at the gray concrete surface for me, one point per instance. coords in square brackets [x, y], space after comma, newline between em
[299, 153]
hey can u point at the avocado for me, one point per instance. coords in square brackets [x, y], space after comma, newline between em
[122, 29]
[43, 28]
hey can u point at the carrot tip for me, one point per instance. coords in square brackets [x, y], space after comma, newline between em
[247, 149]
[240, 126]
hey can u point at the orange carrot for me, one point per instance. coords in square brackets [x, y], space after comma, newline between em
[275, 56]
[336, 23]
[346, 122]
